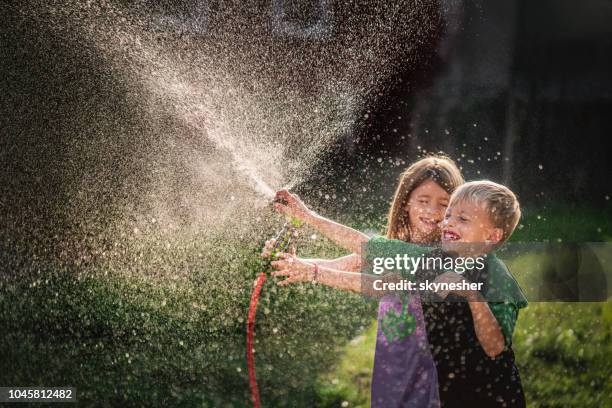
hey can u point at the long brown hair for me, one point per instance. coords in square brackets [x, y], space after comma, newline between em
[438, 168]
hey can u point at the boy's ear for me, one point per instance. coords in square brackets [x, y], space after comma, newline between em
[496, 235]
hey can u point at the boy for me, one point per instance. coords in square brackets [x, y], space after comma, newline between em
[470, 333]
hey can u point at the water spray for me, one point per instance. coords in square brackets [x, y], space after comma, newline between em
[281, 243]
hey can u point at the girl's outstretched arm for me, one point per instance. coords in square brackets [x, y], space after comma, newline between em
[297, 270]
[346, 237]
[348, 263]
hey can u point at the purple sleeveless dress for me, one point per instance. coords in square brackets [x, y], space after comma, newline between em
[404, 371]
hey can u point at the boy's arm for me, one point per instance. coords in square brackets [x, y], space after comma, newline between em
[488, 330]
[506, 315]
[381, 247]
[505, 297]
[346, 237]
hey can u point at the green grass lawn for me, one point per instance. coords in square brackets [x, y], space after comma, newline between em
[132, 339]
[168, 327]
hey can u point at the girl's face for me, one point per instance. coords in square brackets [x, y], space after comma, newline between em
[426, 206]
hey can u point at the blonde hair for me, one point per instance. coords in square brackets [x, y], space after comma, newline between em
[499, 201]
[438, 168]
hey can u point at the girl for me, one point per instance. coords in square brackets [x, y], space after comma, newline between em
[404, 373]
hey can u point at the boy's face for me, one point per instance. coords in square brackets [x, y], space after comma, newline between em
[469, 223]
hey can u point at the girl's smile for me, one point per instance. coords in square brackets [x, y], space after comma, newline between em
[426, 206]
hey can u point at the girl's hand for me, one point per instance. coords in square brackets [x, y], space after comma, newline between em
[295, 269]
[268, 248]
[453, 277]
[291, 205]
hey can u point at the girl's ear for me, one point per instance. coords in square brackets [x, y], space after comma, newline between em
[496, 235]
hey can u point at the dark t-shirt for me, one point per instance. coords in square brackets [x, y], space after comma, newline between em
[466, 375]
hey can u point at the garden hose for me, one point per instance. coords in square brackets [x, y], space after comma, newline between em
[282, 242]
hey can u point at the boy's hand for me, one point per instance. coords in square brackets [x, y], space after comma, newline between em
[291, 205]
[453, 277]
[295, 269]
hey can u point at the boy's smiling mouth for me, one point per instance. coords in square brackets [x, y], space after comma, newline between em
[448, 235]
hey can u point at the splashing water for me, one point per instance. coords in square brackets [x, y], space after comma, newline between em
[245, 150]
[157, 141]
[218, 108]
